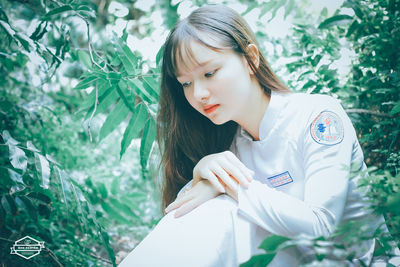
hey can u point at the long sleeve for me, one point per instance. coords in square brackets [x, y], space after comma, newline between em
[327, 162]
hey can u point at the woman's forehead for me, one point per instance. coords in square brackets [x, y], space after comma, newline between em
[193, 54]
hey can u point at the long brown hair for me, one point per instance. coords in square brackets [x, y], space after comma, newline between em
[184, 135]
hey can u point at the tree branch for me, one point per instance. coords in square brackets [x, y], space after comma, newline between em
[365, 111]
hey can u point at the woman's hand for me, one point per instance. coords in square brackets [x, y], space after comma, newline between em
[223, 168]
[192, 198]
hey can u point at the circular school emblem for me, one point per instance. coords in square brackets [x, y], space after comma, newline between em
[327, 128]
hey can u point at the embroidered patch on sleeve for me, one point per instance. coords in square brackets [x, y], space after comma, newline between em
[280, 179]
[327, 128]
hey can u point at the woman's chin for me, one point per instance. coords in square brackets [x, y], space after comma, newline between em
[217, 121]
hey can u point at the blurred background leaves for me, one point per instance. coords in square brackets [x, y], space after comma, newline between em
[79, 85]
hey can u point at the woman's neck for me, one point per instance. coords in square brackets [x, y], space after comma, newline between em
[250, 118]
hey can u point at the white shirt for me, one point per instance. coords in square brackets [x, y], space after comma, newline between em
[302, 165]
[301, 187]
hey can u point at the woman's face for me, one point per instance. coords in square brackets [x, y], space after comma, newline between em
[218, 85]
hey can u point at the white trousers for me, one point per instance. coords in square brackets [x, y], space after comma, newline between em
[213, 234]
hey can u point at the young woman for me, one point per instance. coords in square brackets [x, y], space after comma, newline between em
[249, 157]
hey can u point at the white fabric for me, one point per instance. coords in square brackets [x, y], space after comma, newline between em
[222, 232]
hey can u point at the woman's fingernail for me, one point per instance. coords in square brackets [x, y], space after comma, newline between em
[168, 208]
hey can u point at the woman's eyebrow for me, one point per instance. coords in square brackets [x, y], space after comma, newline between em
[205, 62]
[201, 64]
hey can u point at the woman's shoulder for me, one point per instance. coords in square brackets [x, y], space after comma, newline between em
[303, 108]
[306, 98]
[304, 102]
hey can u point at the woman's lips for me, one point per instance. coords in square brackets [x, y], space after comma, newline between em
[210, 108]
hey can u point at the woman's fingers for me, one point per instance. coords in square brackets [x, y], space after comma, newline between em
[235, 172]
[235, 161]
[227, 167]
[178, 202]
[200, 193]
[209, 175]
[225, 177]
[186, 208]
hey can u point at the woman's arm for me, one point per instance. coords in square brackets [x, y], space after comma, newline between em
[193, 197]
[327, 171]
[213, 175]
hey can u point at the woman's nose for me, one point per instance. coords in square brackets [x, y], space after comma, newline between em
[201, 92]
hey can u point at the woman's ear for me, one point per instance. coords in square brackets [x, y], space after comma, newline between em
[253, 53]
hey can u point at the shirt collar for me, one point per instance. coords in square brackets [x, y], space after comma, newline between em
[275, 106]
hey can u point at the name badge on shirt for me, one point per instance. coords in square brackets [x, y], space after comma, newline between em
[280, 179]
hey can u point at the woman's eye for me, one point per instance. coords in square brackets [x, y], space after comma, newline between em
[211, 73]
[186, 84]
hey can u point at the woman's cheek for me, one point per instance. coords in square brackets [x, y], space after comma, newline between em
[192, 101]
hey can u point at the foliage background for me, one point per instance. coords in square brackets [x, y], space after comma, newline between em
[79, 84]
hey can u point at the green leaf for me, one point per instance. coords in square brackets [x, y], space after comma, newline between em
[250, 7]
[335, 21]
[149, 135]
[7, 28]
[395, 109]
[258, 261]
[315, 60]
[15, 176]
[126, 56]
[265, 7]
[25, 44]
[123, 91]
[31, 147]
[115, 61]
[271, 243]
[84, 58]
[127, 65]
[159, 55]
[106, 241]
[324, 12]
[104, 102]
[152, 86]
[84, 8]
[9, 205]
[125, 209]
[57, 10]
[135, 125]
[309, 84]
[39, 31]
[26, 204]
[393, 203]
[353, 26]
[8, 139]
[289, 7]
[17, 157]
[115, 186]
[113, 77]
[119, 113]
[103, 190]
[357, 11]
[45, 199]
[138, 87]
[65, 187]
[137, 196]
[103, 88]
[43, 168]
[114, 214]
[52, 160]
[304, 74]
[87, 82]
